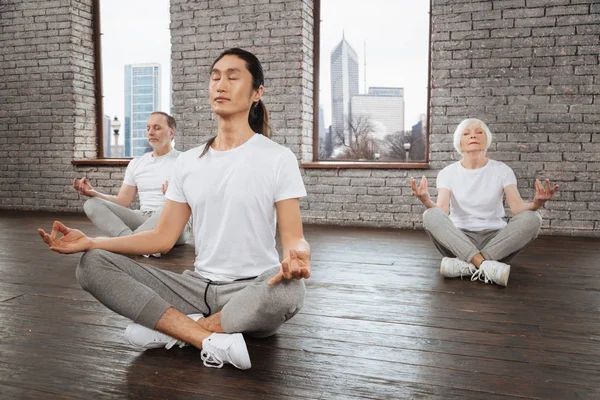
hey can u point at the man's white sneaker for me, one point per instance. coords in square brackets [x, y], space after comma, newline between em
[146, 338]
[453, 267]
[492, 272]
[221, 348]
[156, 255]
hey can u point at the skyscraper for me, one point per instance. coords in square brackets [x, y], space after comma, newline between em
[344, 85]
[325, 143]
[385, 108]
[142, 97]
[421, 126]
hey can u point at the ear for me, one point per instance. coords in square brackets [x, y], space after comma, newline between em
[258, 93]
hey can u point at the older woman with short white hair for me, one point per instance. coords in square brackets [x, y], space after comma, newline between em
[467, 223]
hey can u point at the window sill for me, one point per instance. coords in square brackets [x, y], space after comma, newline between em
[309, 165]
[365, 165]
[103, 161]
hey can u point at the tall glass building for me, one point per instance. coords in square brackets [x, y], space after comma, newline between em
[344, 85]
[142, 97]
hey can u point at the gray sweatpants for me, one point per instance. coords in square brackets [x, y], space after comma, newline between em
[499, 245]
[143, 293]
[115, 220]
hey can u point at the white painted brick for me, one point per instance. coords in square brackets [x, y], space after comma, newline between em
[529, 69]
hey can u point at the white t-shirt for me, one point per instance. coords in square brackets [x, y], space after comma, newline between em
[232, 195]
[148, 173]
[476, 194]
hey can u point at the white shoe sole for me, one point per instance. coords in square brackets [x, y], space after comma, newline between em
[446, 260]
[239, 342]
[442, 267]
[505, 276]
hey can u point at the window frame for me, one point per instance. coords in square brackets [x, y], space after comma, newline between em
[332, 164]
[97, 38]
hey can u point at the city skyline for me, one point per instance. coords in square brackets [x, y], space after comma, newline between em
[396, 44]
[133, 32]
[360, 122]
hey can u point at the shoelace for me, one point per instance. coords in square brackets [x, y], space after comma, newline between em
[211, 360]
[174, 342]
[480, 274]
[469, 271]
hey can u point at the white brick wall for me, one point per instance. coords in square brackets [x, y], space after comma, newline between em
[529, 68]
[276, 31]
[47, 104]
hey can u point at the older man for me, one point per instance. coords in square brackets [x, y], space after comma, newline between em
[146, 176]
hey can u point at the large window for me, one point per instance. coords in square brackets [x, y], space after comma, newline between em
[135, 66]
[372, 84]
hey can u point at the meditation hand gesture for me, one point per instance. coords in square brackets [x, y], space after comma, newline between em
[83, 187]
[295, 266]
[543, 193]
[421, 191]
[72, 241]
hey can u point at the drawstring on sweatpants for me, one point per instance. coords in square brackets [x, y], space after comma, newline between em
[206, 302]
[220, 283]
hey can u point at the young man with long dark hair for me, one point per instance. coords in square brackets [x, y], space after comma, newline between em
[238, 187]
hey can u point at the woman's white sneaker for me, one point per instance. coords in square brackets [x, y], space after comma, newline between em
[454, 267]
[492, 272]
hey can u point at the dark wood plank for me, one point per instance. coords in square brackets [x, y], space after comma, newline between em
[24, 393]
[378, 323]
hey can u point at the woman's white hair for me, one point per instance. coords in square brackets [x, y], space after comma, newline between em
[471, 123]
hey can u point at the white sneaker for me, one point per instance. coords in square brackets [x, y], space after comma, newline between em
[146, 338]
[221, 348]
[453, 267]
[492, 272]
[156, 255]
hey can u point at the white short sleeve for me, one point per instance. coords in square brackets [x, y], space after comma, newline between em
[508, 176]
[288, 180]
[175, 190]
[129, 173]
[443, 180]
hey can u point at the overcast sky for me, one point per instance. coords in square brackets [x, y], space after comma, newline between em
[133, 32]
[395, 33]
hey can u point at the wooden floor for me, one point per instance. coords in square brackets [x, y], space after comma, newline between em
[378, 323]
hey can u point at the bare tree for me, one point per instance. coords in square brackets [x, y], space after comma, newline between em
[356, 141]
[394, 145]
